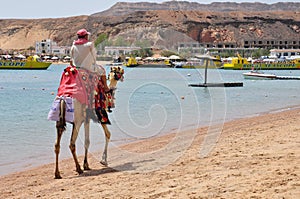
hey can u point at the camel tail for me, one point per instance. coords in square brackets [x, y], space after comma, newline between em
[62, 116]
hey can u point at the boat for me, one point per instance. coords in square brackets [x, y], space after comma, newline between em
[131, 62]
[128, 62]
[31, 63]
[116, 62]
[258, 75]
[270, 63]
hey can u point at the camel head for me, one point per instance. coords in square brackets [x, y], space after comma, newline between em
[116, 73]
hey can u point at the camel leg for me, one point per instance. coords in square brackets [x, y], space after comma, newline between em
[73, 147]
[86, 144]
[107, 138]
[57, 149]
[60, 127]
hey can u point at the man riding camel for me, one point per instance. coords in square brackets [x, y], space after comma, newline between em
[89, 82]
[82, 93]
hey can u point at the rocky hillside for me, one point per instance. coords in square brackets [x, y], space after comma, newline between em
[124, 8]
[164, 25]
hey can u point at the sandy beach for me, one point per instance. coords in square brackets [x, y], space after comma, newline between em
[255, 157]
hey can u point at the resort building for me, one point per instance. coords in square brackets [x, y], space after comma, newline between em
[194, 48]
[197, 47]
[50, 47]
[119, 50]
[202, 48]
[285, 53]
[279, 44]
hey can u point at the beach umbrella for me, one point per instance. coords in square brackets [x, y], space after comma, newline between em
[6, 56]
[149, 58]
[20, 56]
[174, 57]
[162, 58]
[46, 57]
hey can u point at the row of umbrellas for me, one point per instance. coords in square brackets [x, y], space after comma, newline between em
[55, 58]
[172, 57]
[20, 56]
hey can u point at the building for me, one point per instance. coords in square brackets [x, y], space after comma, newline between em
[279, 44]
[119, 50]
[285, 53]
[195, 48]
[244, 45]
[50, 47]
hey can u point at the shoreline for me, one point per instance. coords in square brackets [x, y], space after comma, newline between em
[127, 141]
[254, 157]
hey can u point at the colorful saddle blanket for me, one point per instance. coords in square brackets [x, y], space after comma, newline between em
[87, 88]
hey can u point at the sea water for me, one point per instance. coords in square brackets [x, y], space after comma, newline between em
[149, 102]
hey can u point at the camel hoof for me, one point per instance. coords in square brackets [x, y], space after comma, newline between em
[57, 176]
[104, 163]
[86, 168]
[79, 171]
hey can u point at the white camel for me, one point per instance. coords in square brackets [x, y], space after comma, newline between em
[81, 115]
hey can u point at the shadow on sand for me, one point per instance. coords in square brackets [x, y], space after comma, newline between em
[130, 166]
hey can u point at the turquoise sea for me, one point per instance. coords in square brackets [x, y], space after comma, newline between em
[149, 102]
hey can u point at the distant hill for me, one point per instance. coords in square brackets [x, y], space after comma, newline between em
[123, 8]
[164, 25]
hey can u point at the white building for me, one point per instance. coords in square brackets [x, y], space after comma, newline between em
[285, 53]
[50, 47]
[119, 50]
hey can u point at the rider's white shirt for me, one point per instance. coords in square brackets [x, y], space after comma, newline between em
[84, 56]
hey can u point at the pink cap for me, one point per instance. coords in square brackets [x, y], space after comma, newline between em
[82, 32]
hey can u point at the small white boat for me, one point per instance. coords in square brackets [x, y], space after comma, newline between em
[258, 75]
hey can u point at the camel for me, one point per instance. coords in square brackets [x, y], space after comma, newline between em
[82, 115]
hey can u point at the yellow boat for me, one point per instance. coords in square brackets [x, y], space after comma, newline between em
[240, 63]
[31, 63]
[131, 62]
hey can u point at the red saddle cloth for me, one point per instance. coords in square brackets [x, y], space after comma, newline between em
[82, 85]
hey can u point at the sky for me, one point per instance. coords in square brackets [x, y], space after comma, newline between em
[36, 9]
